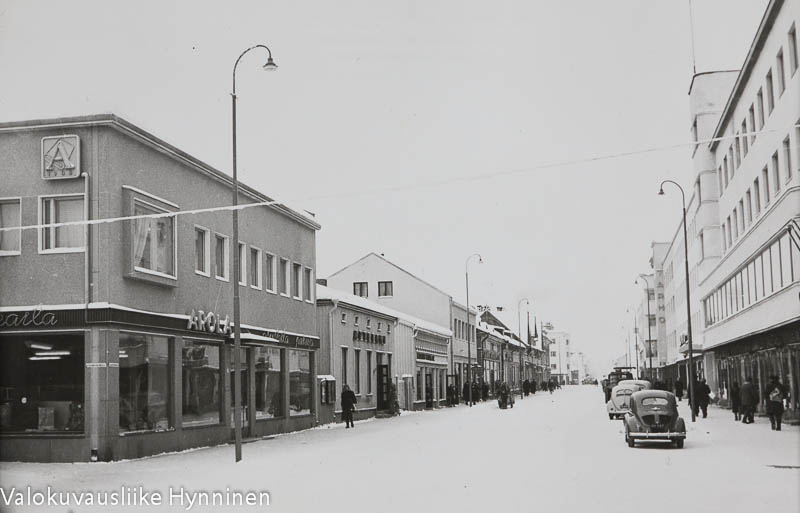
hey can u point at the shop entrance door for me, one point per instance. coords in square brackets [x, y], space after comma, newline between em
[428, 390]
[383, 387]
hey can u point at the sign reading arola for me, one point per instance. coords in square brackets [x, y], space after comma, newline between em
[210, 322]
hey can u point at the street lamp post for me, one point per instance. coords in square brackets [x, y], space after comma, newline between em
[649, 336]
[519, 330]
[469, 330]
[688, 299]
[237, 344]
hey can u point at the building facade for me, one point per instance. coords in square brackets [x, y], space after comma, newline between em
[560, 353]
[115, 337]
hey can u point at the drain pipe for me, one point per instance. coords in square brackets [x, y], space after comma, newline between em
[87, 270]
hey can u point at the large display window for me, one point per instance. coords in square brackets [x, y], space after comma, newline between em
[269, 383]
[202, 383]
[145, 383]
[299, 382]
[41, 383]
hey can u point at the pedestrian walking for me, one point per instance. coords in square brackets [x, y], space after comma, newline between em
[775, 394]
[465, 392]
[679, 389]
[701, 399]
[485, 391]
[526, 387]
[348, 401]
[749, 398]
[533, 387]
[736, 400]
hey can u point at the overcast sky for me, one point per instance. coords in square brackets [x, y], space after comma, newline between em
[377, 94]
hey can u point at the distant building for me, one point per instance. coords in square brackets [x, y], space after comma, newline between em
[560, 352]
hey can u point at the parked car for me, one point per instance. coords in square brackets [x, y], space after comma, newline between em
[653, 416]
[619, 403]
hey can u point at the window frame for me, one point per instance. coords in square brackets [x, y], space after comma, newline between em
[786, 146]
[780, 70]
[296, 269]
[259, 269]
[152, 272]
[241, 247]
[284, 272]
[272, 270]
[365, 286]
[226, 257]
[308, 283]
[41, 231]
[206, 248]
[792, 46]
[770, 86]
[18, 200]
[391, 286]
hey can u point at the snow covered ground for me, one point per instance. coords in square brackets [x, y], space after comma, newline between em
[550, 453]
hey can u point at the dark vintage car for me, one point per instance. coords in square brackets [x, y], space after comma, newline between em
[653, 416]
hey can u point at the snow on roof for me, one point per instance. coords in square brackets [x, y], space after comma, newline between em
[497, 331]
[324, 292]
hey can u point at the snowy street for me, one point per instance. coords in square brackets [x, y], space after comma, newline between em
[549, 453]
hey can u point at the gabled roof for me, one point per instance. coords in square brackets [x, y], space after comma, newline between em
[373, 254]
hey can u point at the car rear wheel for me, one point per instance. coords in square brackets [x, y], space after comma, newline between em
[679, 443]
[610, 416]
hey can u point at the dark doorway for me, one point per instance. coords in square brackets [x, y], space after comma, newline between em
[428, 390]
[383, 387]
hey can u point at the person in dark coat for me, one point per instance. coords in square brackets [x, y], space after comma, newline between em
[701, 398]
[749, 399]
[774, 395]
[736, 400]
[533, 387]
[526, 387]
[484, 391]
[679, 389]
[476, 392]
[465, 392]
[348, 406]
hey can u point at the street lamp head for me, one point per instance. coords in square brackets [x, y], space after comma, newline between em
[270, 65]
[661, 191]
[480, 259]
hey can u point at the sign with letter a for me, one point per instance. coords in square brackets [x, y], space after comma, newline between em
[61, 157]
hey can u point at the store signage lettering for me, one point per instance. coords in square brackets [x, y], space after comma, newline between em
[36, 319]
[210, 322]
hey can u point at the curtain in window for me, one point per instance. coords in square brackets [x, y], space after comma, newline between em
[140, 238]
[9, 217]
[68, 210]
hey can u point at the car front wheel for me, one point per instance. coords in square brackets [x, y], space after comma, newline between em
[679, 443]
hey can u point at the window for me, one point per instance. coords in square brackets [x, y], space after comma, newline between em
[344, 366]
[765, 180]
[553, 353]
[307, 284]
[369, 323]
[776, 173]
[221, 257]
[779, 70]
[702, 246]
[741, 216]
[300, 382]
[553, 366]
[42, 382]
[344, 317]
[719, 176]
[369, 372]
[202, 251]
[242, 264]
[760, 97]
[269, 383]
[202, 382]
[296, 269]
[419, 385]
[63, 209]
[757, 201]
[749, 204]
[355, 321]
[770, 93]
[357, 363]
[751, 114]
[360, 289]
[255, 268]
[737, 154]
[388, 328]
[385, 289]
[744, 138]
[792, 46]
[787, 158]
[724, 237]
[730, 232]
[153, 241]
[283, 277]
[145, 383]
[725, 173]
[10, 217]
[269, 269]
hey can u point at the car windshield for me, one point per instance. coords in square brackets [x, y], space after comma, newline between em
[654, 401]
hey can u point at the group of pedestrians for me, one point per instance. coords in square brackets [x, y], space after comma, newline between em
[744, 399]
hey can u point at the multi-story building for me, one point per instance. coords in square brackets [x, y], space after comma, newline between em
[647, 327]
[560, 352]
[115, 337]
[743, 216]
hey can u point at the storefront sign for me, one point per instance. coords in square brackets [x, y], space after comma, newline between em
[292, 340]
[30, 319]
[61, 157]
[209, 322]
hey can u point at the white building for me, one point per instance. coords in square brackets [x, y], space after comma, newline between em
[560, 353]
[742, 215]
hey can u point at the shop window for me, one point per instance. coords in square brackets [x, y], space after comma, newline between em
[10, 217]
[269, 383]
[202, 383]
[145, 383]
[61, 239]
[153, 241]
[41, 383]
[299, 382]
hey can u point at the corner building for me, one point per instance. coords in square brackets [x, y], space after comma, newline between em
[115, 338]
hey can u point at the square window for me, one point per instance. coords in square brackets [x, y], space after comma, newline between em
[64, 209]
[385, 289]
[221, 257]
[153, 240]
[10, 217]
[360, 289]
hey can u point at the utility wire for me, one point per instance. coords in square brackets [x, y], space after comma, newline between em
[416, 185]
